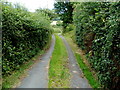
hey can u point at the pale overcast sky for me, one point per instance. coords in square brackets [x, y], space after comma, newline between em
[35, 4]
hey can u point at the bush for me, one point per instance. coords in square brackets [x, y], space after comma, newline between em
[97, 32]
[70, 27]
[24, 34]
[59, 23]
[57, 30]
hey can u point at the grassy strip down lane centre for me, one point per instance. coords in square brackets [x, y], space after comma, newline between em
[59, 71]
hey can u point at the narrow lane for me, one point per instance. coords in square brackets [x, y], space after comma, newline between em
[38, 75]
[77, 78]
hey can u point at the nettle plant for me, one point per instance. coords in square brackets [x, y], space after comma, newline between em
[24, 34]
[98, 33]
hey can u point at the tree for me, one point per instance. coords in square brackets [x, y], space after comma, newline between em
[49, 12]
[64, 10]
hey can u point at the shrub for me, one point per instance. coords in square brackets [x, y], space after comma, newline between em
[97, 32]
[70, 27]
[24, 34]
[59, 23]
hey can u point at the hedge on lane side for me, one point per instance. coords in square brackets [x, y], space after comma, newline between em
[98, 33]
[24, 34]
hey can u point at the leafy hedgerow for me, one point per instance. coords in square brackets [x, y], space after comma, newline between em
[24, 34]
[98, 33]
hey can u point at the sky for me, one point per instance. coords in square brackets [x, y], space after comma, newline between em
[35, 4]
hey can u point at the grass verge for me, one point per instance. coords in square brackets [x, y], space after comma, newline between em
[14, 79]
[87, 72]
[58, 71]
[83, 63]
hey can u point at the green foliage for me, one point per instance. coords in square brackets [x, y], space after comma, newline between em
[97, 32]
[24, 34]
[57, 30]
[50, 13]
[59, 23]
[64, 10]
[70, 27]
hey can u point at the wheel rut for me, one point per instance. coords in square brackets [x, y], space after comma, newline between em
[77, 78]
[38, 75]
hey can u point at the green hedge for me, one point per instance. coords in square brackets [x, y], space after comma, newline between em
[98, 33]
[24, 34]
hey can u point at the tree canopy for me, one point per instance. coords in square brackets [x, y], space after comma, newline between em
[64, 9]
